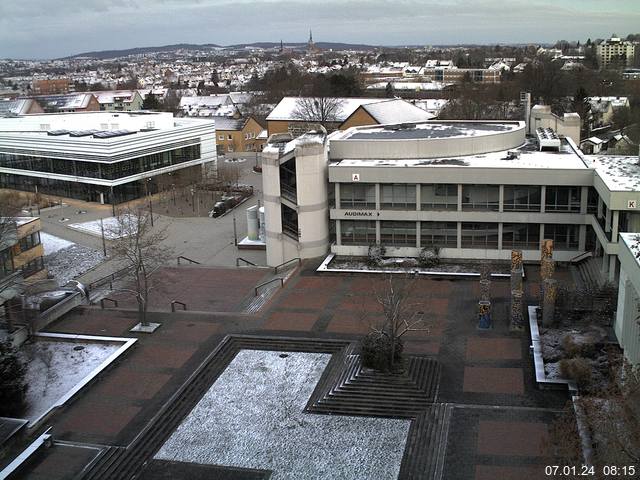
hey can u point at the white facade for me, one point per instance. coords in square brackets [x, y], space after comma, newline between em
[88, 155]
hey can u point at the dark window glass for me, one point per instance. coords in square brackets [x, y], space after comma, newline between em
[438, 234]
[479, 235]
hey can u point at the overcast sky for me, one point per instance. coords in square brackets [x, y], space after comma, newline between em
[56, 28]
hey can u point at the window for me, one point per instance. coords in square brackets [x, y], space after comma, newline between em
[521, 236]
[399, 234]
[564, 236]
[358, 195]
[220, 137]
[480, 197]
[34, 266]
[30, 241]
[398, 196]
[229, 137]
[522, 198]
[479, 235]
[358, 232]
[562, 199]
[439, 196]
[6, 262]
[438, 234]
[592, 201]
[290, 222]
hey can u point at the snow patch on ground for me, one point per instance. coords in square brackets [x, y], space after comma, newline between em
[71, 262]
[52, 244]
[54, 368]
[112, 228]
[252, 417]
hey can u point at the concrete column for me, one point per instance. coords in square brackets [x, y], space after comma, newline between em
[459, 244]
[543, 200]
[584, 198]
[378, 232]
[541, 232]
[615, 220]
[613, 261]
[101, 198]
[378, 197]
[338, 232]
[605, 263]
[459, 197]
[582, 238]
[418, 196]
[500, 236]
[337, 194]
[607, 221]
[501, 203]
[600, 204]
[418, 236]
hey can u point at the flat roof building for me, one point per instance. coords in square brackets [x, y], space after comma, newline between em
[103, 157]
[472, 189]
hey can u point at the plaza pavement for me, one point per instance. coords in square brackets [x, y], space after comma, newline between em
[499, 425]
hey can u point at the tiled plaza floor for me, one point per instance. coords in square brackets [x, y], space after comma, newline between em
[500, 416]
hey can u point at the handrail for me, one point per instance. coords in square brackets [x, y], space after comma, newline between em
[245, 261]
[280, 279]
[108, 278]
[187, 259]
[581, 256]
[102, 300]
[297, 259]
[173, 305]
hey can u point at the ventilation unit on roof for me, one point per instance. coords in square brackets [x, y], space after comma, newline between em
[400, 126]
[548, 139]
[513, 154]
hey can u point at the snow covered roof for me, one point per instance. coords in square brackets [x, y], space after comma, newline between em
[18, 106]
[396, 111]
[286, 108]
[619, 173]
[632, 241]
[109, 96]
[64, 102]
[616, 102]
[417, 86]
[529, 157]
[227, 123]
[205, 101]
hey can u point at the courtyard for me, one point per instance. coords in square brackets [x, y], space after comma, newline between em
[206, 374]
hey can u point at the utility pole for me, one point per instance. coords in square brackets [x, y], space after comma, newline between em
[104, 243]
[235, 232]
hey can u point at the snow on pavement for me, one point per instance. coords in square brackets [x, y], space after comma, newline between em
[252, 417]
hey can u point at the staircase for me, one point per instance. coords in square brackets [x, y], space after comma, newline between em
[589, 273]
[254, 303]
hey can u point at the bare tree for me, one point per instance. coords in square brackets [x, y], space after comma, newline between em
[139, 247]
[400, 316]
[10, 283]
[321, 110]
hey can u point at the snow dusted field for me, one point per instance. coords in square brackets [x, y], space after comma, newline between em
[66, 260]
[112, 229]
[54, 368]
[252, 417]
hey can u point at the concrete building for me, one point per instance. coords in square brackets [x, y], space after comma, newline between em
[615, 52]
[473, 189]
[22, 250]
[68, 103]
[568, 125]
[19, 106]
[103, 157]
[626, 326]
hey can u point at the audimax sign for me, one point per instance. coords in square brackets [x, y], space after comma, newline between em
[361, 213]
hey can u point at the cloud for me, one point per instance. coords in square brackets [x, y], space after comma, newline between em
[42, 28]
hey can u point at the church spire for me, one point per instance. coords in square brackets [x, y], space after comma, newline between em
[310, 36]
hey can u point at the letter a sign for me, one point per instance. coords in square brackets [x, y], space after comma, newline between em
[355, 177]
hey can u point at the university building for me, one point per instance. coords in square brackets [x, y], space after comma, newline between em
[103, 157]
[473, 189]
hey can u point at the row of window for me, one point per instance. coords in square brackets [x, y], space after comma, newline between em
[445, 234]
[30, 241]
[474, 197]
[108, 171]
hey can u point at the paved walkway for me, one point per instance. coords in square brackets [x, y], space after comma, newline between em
[500, 419]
